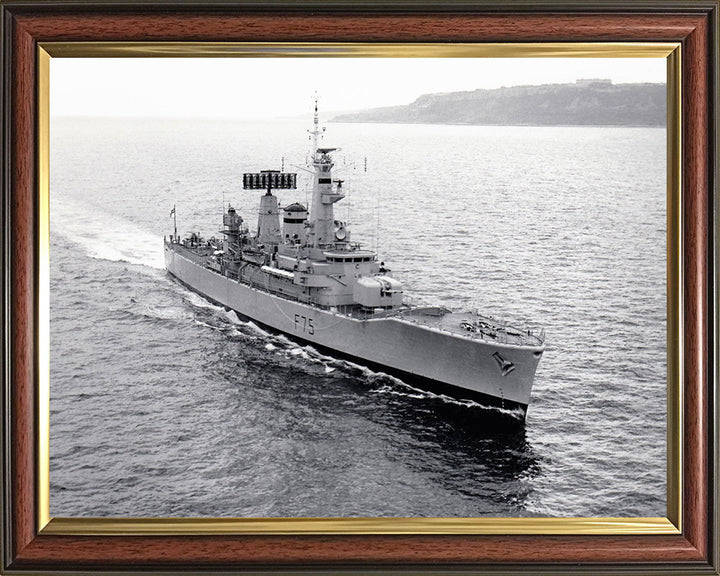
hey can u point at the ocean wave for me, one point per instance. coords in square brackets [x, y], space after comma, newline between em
[197, 301]
[418, 393]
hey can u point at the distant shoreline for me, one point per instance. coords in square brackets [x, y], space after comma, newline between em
[583, 103]
[659, 126]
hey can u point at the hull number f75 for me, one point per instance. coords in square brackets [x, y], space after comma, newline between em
[304, 324]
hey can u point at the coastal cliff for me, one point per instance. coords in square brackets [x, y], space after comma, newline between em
[583, 103]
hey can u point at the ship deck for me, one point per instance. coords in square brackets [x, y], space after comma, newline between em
[463, 324]
[473, 325]
[198, 254]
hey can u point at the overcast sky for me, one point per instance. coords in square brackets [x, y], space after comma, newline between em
[267, 87]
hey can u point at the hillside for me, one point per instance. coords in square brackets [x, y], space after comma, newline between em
[586, 102]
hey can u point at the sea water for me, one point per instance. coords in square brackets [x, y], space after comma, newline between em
[163, 404]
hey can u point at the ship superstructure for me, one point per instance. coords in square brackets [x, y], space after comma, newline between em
[301, 274]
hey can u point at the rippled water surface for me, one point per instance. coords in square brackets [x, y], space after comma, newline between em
[163, 404]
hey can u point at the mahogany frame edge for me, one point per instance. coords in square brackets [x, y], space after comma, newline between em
[23, 549]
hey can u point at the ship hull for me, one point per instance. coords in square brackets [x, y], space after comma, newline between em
[460, 367]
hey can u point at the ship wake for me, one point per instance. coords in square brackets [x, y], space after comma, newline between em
[104, 236]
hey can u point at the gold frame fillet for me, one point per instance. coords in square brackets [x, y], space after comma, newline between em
[289, 526]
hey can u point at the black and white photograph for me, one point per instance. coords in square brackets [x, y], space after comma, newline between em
[358, 287]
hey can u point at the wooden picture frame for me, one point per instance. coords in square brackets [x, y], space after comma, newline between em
[687, 542]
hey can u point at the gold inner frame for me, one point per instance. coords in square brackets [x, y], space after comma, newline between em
[287, 526]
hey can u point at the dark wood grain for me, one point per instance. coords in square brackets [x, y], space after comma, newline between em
[222, 551]
[362, 28]
[22, 264]
[689, 551]
[695, 190]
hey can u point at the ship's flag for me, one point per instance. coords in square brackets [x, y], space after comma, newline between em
[172, 211]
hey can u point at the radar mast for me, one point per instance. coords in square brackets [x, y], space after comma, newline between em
[322, 215]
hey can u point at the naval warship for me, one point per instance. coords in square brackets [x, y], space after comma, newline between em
[308, 280]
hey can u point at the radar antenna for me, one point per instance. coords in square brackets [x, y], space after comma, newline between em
[269, 180]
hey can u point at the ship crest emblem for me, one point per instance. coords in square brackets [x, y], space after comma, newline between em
[505, 365]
